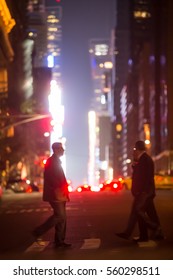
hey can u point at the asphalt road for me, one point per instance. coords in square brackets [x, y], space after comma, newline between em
[92, 220]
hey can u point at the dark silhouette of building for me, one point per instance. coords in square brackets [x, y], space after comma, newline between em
[143, 84]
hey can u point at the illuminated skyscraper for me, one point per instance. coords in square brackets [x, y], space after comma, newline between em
[54, 40]
[143, 83]
[45, 27]
[99, 118]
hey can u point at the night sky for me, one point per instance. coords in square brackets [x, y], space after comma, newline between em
[82, 20]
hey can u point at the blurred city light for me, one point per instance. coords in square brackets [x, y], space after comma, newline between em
[92, 146]
[108, 65]
[50, 61]
[57, 112]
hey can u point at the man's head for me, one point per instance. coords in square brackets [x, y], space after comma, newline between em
[138, 149]
[57, 148]
[140, 145]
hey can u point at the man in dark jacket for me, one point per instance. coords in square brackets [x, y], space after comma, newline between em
[55, 191]
[143, 190]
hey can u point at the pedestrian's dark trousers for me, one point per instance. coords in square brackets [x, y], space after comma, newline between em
[148, 218]
[58, 220]
[133, 218]
[143, 211]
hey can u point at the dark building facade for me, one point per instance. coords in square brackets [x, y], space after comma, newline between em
[31, 54]
[143, 86]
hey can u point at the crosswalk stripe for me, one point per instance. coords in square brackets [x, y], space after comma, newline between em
[29, 210]
[72, 208]
[88, 244]
[26, 210]
[11, 212]
[22, 210]
[40, 245]
[37, 246]
[37, 210]
[91, 243]
[150, 243]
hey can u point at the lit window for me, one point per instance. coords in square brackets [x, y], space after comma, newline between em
[97, 91]
[103, 99]
[108, 65]
[52, 20]
[52, 29]
[51, 37]
[51, 16]
[101, 49]
[141, 14]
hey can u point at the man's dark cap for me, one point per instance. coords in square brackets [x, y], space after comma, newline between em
[140, 145]
[57, 145]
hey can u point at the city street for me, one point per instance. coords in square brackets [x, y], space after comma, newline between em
[92, 220]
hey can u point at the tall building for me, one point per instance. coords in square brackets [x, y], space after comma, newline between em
[99, 117]
[37, 30]
[34, 79]
[7, 23]
[54, 40]
[6, 50]
[122, 60]
[44, 25]
[142, 96]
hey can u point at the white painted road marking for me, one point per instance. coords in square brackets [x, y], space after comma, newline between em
[37, 246]
[150, 243]
[31, 210]
[92, 243]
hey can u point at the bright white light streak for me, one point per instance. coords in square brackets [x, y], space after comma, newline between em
[92, 146]
[50, 61]
[55, 96]
[103, 99]
[104, 165]
[58, 115]
[56, 134]
[57, 111]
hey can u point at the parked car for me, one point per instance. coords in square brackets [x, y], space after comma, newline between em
[83, 188]
[21, 185]
[161, 182]
[126, 183]
[87, 188]
[112, 185]
[70, 187]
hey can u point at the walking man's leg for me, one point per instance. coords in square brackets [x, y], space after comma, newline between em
[152, 213]
[131, 223]
[60, 221]
[44, 227]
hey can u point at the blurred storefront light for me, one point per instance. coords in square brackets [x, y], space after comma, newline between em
[118, 127]
[108, 65]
